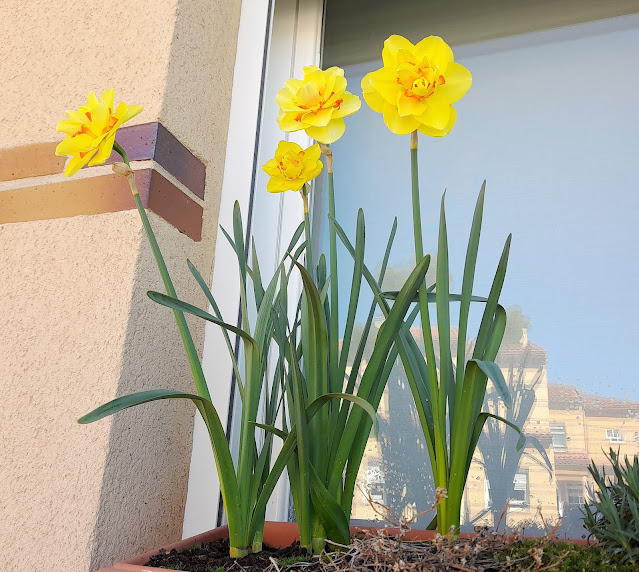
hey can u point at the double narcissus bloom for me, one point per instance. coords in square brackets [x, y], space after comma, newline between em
[90, 131]
[318, 103]
[292, 167]
[417, 85]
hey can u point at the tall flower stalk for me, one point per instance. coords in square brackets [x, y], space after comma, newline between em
[246, 487]
[414, 91]
[331, 446]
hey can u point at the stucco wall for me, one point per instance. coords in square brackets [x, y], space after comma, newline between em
[76, 328]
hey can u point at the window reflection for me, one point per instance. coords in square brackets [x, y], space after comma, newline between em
[567, 189]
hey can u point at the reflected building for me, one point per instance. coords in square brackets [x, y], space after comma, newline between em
[565, 428]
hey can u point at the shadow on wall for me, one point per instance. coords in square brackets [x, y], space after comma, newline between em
[145, 480]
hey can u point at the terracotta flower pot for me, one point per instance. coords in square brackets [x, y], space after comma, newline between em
[276, 534]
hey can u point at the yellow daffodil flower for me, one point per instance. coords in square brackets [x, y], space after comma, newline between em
[292, 167]
[318, 103]
[417, 86]
[90, 131]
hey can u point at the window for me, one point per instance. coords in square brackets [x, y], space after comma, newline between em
[545, 167]
[520, 496]
[558, 433]
[375, 482]
[574, 493]
[614, 436]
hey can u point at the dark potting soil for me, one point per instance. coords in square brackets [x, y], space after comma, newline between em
[214, 557]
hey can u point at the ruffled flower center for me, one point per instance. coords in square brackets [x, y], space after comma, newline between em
[419, 81]
[291, 165]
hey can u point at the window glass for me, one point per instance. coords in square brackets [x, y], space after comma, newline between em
[551, 122]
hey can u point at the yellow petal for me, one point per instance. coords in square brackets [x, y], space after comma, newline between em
[92, 101]
[74, 145]
[68, 127]
[313, 153]
[319, 119]
[328, 134]
[284, 147]
[284, 98]
[391, 46]
[104, 151]
[288, 122]
[77, 162]
[77, 116]
[99, 118]
[132, 111]
[437, 51]
[397, 124]
[409, 106]
[271, 167]
[295, 185]
[375, 101]
[107, 98]
[384, 82]
[458, 82]
[293, 84]
[432, 132]
[275, 186]
[350, 104]
[437, 113]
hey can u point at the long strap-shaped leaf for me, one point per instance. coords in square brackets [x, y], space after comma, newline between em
[209, 296]
[385, 339]
[223, 460]
[467, 293]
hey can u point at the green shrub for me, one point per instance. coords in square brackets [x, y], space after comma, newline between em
[612, 516]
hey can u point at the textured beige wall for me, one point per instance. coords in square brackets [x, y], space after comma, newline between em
[76, 328]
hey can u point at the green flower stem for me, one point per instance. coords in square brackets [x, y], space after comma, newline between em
[185, 334]
[307, 231]
[439, 398]
[334, 298]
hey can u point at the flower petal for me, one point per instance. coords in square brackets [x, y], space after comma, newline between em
[350, 104]
[391, 47]
[437, 51]
[328, 134]
[77, 162]
[108, 97]
[437, 113]
[432, 132]
[284, 98]
[458, 82]
[410, 106]
[319, 119]
[288, 122]
[397, 124]
[313, 153]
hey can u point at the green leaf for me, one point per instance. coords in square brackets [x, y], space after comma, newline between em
[432, 296]
[176, 304]
[493, 372]
[466, 296]
[316, 404]
[134, 399]
[209, 296]
[329, 511]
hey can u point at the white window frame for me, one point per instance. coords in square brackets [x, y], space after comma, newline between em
[278, 36]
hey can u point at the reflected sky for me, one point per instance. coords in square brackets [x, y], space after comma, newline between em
[553, 129]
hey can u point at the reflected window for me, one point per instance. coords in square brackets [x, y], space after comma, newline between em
[614, 435]
[520, 490]
[558, 433]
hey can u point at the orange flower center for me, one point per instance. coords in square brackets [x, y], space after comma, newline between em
[321, 104]
[290, 165]
[419, 82]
